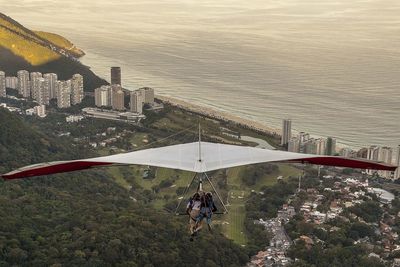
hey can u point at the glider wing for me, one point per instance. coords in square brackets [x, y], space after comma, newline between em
[187, 157]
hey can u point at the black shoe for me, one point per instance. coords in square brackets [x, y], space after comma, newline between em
[191, 239]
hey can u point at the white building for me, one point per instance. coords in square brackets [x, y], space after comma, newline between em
[73, 118]
[40, 111]
[321, 146]
[118, 100]
[12, 82]
[76, 89]
[102, 96]
[41, 92]
[117, 97]
[310, 146]
[51, 84]
[396, 162]
[387, 155]
[35, 84]
[286, 132]
[294, 145]
[23, 87]
[148, 95]
[372, 154]
[346, 152]
[30, 112]
[63, 94]
[3, 92]
[137, 101]
[330, 146]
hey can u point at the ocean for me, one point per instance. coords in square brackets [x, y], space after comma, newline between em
[332, 66]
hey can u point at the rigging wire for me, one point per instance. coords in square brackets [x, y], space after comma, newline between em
[165, 138]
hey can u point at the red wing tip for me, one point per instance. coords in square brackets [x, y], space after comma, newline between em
[52, 168]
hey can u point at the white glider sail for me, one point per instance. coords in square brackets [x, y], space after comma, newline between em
[194, 158]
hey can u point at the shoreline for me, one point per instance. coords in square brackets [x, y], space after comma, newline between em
[219, 115]
[227, 117]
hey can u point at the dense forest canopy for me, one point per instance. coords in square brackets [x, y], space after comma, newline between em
[85, 218]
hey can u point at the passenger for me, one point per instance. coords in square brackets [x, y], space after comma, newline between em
[206, 211]
[193, 210]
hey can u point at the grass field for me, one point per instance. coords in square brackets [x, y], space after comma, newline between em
[116, 174]
[238, 195]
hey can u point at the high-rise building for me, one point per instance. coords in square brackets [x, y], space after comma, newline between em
[42, 93]
[286, 132]
[51, 84]
[385, 155]
[23, 87]
[347, 152]
[321, 146]
[294, 145]
[76, 89]
[372, 154]
[3, 91]
[12, 82]
[63, 94]
[102, 96]
[118, 100]
[148, 95]
[35, 84]
[396, 162]
[137, 101]
[330, 146]
[310, 146]
[304, 137]
[116, 75]
[114, 90]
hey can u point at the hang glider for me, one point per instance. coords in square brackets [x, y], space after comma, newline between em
[198, 157]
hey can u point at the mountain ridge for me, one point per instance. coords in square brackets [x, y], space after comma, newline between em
[22, 48]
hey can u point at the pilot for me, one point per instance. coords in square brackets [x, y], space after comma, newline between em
[193, 210]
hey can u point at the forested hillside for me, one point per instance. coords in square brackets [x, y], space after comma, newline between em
[85, 218]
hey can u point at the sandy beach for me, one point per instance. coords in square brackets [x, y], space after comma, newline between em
[219, 115]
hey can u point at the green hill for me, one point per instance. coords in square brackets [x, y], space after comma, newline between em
[21, 48]
[61, 42]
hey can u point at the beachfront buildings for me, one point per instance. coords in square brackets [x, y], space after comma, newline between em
[110, 96]
[388, 155]
[303, 143]
[114, 96]
[3, 92]
[286, 132]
